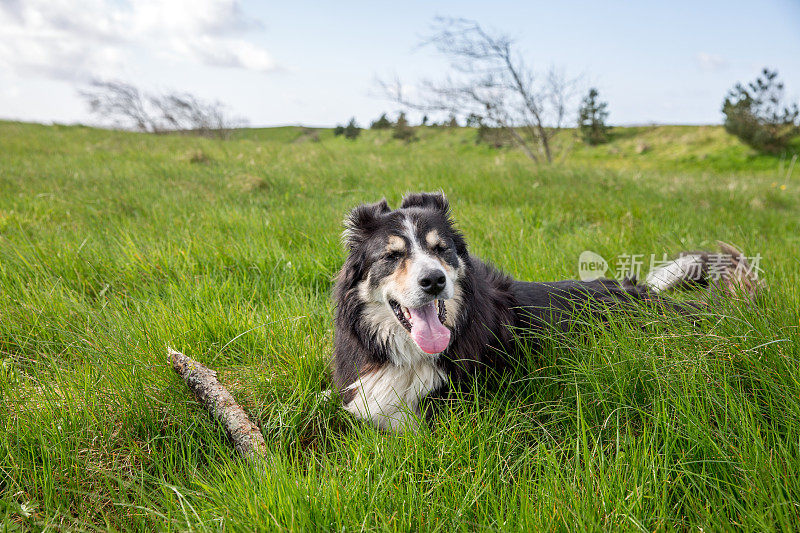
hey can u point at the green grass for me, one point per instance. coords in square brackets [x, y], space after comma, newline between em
[114, 244]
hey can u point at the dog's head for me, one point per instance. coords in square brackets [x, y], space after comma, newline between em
[405, 267]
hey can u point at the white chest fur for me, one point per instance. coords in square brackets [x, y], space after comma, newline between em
[390, 396]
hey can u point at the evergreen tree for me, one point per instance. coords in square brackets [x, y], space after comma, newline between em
[592, 119]
[402, 130]
[383, 123]
[474, 121]
[758, 116]
[352, 131]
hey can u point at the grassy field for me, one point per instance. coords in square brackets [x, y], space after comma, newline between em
[114, 244]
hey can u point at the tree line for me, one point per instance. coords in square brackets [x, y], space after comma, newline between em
[490, 84]
[494, 87]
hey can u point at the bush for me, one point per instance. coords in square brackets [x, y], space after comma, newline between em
[592, 119]
[352, 130]
[338, 130]
[496, 137]
[402, 130]
[383, 123]
[758, 115]
[493, 136]
[474, 121]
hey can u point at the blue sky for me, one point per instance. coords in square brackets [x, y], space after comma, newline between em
[316, 63]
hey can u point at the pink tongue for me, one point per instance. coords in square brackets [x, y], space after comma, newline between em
[426, 329]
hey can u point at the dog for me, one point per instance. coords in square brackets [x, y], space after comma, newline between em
[415, 311]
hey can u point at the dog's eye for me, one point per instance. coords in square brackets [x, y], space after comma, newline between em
[394, 256]
[440, 248]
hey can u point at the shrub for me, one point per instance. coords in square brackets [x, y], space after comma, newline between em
[495, 137]
[592, 119]
[474, 121]
[402, 130]
[758, 115]
[352, 130]
[383, 123]
[338, 130]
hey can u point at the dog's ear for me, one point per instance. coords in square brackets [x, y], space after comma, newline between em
[432, 200]
[361, 220]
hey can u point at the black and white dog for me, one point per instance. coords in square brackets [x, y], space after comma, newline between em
[414, 310]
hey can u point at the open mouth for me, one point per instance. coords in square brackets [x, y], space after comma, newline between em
[425, 324]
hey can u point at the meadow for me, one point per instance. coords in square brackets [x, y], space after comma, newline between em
[115, 244]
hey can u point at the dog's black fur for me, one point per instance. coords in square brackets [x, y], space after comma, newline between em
[491, 306]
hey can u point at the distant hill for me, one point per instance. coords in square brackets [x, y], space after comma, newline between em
[686, 148]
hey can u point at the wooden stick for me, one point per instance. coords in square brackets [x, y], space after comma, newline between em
[244, 434]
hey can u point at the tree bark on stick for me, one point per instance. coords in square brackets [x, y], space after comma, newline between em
[202, 381]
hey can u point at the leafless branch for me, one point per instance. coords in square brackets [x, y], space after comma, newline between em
[125, 106]
[202, 381]
[490, 80]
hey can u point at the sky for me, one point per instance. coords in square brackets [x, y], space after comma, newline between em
[316, 63]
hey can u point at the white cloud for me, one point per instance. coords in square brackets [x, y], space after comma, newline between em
[190, 17]
[221, 52]
[12, 91]
[711, 62]
[53, 39]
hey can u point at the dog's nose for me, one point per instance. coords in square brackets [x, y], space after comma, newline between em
[433, 281]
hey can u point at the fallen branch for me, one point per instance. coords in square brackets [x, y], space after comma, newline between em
[243, 432]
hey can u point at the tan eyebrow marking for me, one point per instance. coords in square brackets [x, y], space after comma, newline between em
[432, 238]
[396, 244]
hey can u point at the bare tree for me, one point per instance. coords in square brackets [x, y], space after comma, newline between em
[185, 112]
[120, 102]
[491, 81]
[126, 106]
